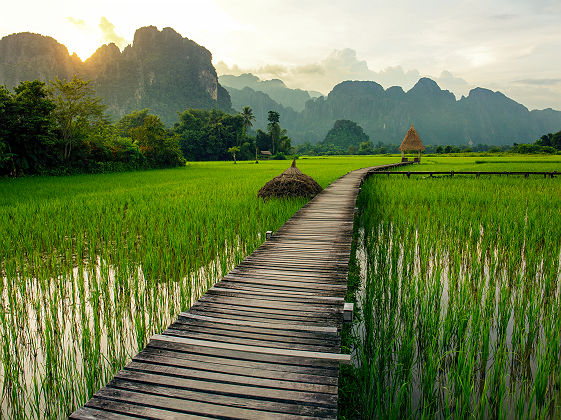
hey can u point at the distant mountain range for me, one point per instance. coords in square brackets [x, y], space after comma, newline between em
[167, 73]
[161, 70]
[483, 116]
[274, 88]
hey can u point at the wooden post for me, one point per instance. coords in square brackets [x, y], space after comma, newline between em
[348, 310]
[268, 234]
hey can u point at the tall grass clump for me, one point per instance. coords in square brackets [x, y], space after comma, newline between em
[460, 300]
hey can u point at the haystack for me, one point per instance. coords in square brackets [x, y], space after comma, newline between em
[411, 143]
[291, 183]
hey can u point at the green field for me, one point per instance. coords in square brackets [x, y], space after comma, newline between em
[93, 265]
[460, 294]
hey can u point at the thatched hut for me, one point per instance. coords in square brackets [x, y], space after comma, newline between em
[411, 143]
[291, 183]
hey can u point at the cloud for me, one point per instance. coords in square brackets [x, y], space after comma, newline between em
[338, 66]
[503, 16]
[78, 23]
[454, 84]
[538, 82]
[109, 35]
[344, 64]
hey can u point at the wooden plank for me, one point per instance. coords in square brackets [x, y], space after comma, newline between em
[289, 408]
[335, 357]
[264, 303]
[275, 289]
[242, 368]
[226, 388]
[272, 295]
[313, 328]
[178, 406]
[220, 377]
[251, 360]
[89, 413]
[250, 339]
[133, 408]
[261, 317]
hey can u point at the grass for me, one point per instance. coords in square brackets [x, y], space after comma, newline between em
[460, 301]
[92, 265]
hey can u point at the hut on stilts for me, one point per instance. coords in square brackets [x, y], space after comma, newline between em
[411, 143]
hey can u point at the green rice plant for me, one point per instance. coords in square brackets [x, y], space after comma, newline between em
[476, 265]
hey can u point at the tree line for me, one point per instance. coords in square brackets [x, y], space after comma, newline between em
[62, 128]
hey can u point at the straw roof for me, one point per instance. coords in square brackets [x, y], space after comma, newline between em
[291, 183]
[412, 142]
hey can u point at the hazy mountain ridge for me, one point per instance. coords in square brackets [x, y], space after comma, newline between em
[483, 116]
[275, 88]
[261, 104]
[161, 70]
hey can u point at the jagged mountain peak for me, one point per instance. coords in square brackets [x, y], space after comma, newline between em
[160, 70]
[354, 87]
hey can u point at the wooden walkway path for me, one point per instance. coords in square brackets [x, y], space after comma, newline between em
[264, 341]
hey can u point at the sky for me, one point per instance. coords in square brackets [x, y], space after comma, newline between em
[513, 46]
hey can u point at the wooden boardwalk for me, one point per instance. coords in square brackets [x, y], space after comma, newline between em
[264, 341]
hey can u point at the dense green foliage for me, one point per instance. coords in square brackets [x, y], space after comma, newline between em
[347, 136]
[62, 128]
[550, 140]
[207, 135]
[460, 305]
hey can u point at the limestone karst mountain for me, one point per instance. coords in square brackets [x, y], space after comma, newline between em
[167, 73]
[161, 70]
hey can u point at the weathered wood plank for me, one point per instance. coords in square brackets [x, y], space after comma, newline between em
[256, 369]
[335, 357]
[294, 330]
[287, 408]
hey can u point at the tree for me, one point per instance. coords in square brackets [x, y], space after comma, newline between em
[248, 118]
[365, 148]
[130, 121]
[77, 111]
[156, 143]
[284, 144]
[6, 123]
[273, 127]
[207, 135]
[262, 140]
[233, 151]
[27, 135]
[346, 133]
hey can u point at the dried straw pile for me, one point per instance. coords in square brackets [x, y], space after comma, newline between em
[291, 183]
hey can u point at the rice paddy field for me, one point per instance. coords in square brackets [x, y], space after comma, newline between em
[92, 265]
[459, 303]
[458, 287]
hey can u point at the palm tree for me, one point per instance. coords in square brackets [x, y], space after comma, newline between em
[248, 118]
